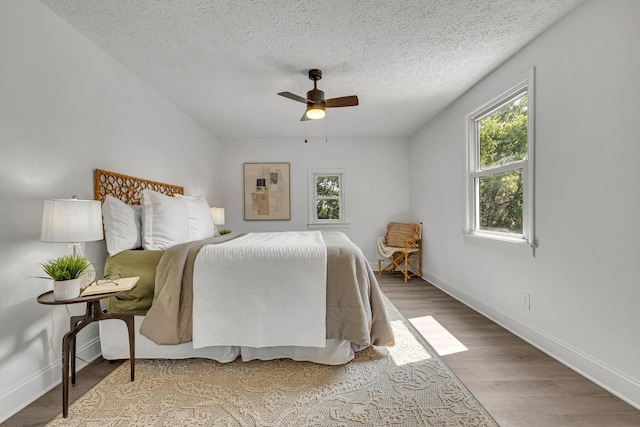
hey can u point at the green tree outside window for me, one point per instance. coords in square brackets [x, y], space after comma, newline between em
[503, 141]
[328, 194]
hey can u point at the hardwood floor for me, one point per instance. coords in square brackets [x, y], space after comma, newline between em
[518, 384]
[44, 409]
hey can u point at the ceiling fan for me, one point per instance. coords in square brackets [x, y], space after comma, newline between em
[315, 101]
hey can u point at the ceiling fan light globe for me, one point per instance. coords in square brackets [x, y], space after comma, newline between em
[315, 113]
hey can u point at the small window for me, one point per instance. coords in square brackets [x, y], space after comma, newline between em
[500, 158]
[326, 197]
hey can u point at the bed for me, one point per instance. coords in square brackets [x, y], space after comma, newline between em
[306, 296]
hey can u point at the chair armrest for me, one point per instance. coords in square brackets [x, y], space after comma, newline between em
[408, 243]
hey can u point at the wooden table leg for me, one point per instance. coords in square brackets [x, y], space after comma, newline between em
[75, 320]
[65, 375]
[132, 345]
[68, 350]
[129, 320]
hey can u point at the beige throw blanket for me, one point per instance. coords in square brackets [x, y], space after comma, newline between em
[168, 321]
[355, 308]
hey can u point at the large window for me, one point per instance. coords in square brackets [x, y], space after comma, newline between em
[500, 178]
[326, 197]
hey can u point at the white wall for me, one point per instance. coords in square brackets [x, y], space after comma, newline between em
[584, 280]
[65, 109]
[376, 182]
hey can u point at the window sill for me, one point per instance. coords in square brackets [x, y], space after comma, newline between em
[327, 225]
[516, 246]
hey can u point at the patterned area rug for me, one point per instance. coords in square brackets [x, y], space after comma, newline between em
[405, 385]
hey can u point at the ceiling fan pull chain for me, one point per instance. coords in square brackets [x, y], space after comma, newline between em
[326, 125]
[305, 132]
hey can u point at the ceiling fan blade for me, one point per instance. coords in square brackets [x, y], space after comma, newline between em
[345, 101]
[304, 117]
[293, 96]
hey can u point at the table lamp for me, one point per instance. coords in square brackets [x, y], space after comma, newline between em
[71, 221]
[218, 219]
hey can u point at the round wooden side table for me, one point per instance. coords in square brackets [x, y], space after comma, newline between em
[77, 323]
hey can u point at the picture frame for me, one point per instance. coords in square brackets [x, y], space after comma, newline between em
[267, 191]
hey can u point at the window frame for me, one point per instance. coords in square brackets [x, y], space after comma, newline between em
[314, 221]
[524, 242]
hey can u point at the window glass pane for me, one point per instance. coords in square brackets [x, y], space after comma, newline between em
[500, 204]
[328, 209]
[503, 135]
[328, 185]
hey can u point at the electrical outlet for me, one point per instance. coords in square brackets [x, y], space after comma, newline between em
[526, 301]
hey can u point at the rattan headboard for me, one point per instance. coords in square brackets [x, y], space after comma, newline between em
[127, 188]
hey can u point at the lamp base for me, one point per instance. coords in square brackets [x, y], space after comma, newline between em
[75, 249]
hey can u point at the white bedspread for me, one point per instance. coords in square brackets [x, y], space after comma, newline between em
[261, 290]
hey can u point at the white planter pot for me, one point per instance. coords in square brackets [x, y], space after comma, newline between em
[66, 289]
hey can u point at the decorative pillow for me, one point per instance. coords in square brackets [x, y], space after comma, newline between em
[165, 221]
[397, 232]
[121, 225]
[134, 263]
[200, 219]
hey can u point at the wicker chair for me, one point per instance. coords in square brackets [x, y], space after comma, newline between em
[402, 247]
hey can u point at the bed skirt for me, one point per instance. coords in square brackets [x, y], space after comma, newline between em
[115, 346]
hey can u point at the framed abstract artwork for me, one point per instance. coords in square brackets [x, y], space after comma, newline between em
[266, 191]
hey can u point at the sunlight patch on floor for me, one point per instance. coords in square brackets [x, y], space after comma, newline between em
[439, 338]
[411, 349]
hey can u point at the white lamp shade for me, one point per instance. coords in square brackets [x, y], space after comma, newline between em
[71, 221]
[218, 215]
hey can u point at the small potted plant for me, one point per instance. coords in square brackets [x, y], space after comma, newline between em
[66, 272]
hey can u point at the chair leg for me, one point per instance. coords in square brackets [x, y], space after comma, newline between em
[406, 266]
[390, 267]
[405, 263]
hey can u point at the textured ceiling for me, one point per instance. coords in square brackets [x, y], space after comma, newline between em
[224, 61]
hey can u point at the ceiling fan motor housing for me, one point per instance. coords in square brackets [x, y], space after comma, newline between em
[315, 95]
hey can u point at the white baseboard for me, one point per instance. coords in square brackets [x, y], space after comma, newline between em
[24, 393]
[618, 383]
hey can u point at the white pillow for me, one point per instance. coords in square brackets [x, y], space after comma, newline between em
[121, 225]
[200, 219]
[165, 221]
